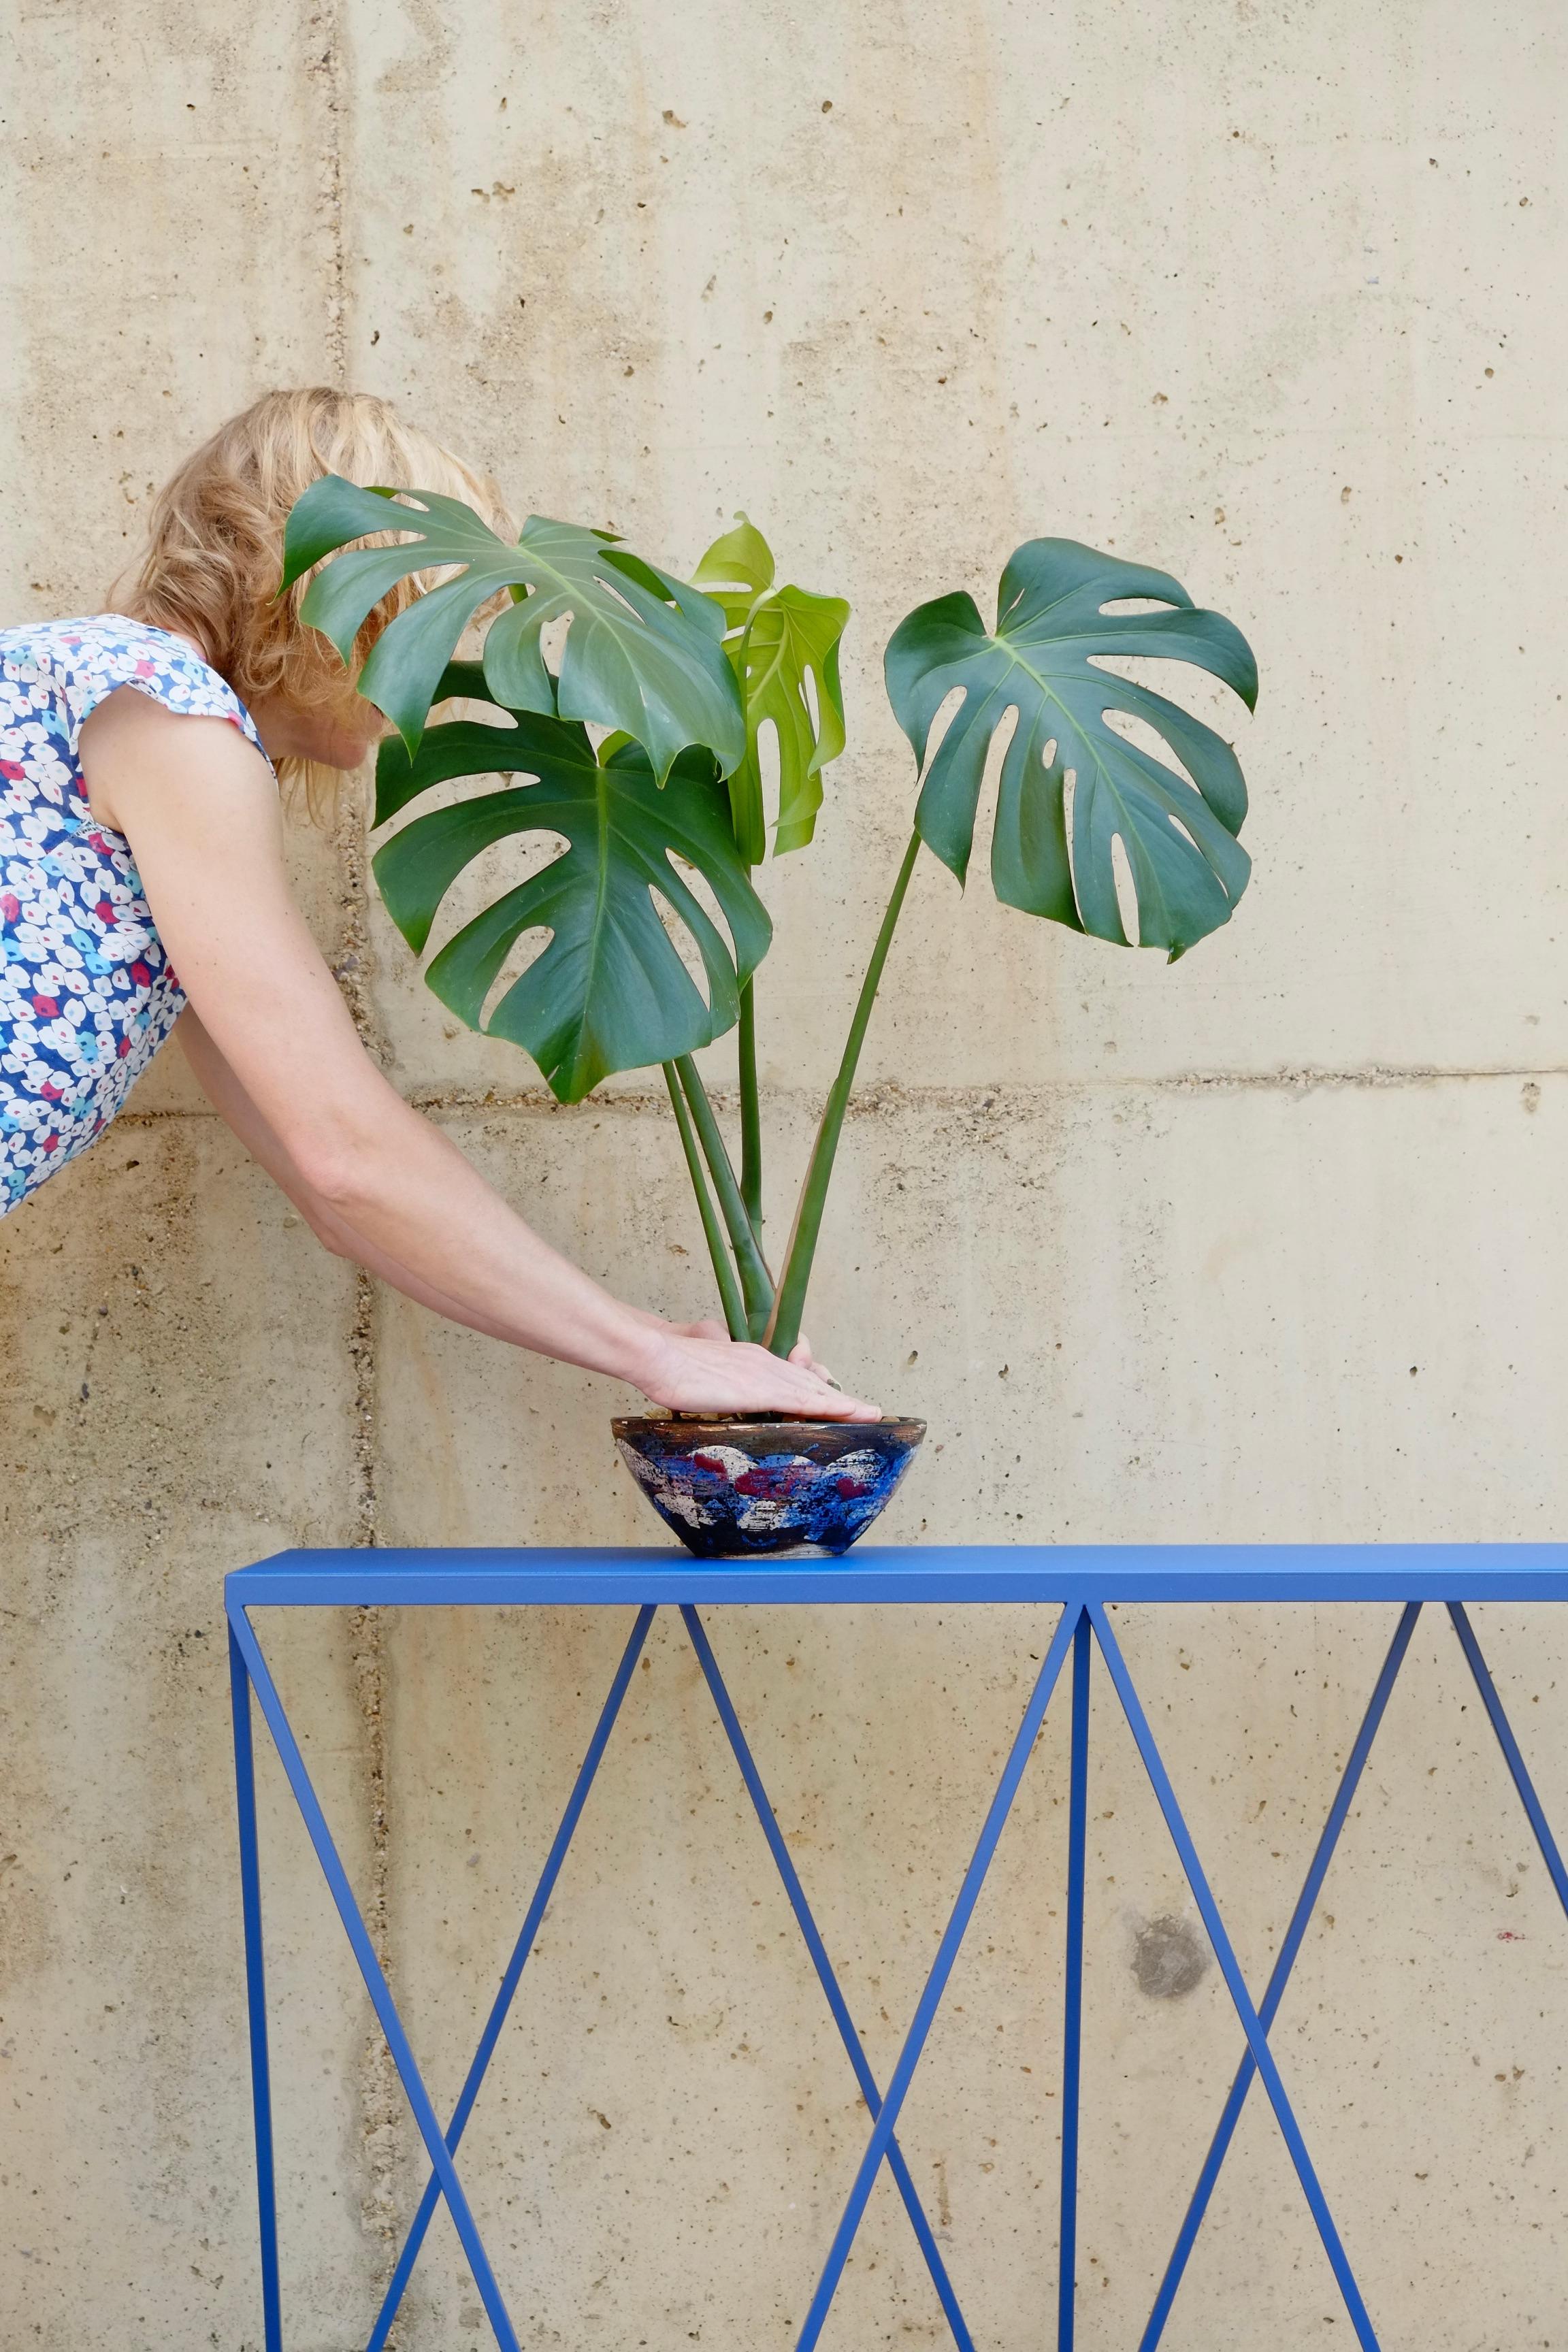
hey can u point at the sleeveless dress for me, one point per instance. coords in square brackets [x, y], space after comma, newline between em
[87, 994]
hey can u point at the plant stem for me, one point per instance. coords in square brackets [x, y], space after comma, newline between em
[756, 1282]
[785, 1330]
[712, 1231]
[751, 1113]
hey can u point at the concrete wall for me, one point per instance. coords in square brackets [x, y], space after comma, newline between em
[1269, 1246]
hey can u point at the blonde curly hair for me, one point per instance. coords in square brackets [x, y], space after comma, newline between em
[213, 555]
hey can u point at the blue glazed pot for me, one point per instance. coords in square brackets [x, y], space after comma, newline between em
[737, 1487]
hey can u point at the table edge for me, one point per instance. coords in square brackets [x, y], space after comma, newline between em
[941, 1575]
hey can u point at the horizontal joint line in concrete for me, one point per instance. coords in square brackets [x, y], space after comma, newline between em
[886, 1094]
[877, 1097]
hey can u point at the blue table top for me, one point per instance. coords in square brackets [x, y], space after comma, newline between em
[905, 1573]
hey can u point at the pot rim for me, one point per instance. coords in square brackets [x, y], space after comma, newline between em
[693, 1424]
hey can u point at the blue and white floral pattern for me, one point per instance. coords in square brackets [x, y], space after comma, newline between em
[87, 994]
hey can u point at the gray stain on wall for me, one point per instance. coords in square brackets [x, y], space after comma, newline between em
[1169, 1956]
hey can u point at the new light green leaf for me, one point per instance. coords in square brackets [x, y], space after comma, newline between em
[610, 991]
[737, 571]
[1041, 661]
[776, 640]
[643, 651]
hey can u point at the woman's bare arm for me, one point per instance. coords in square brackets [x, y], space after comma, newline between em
[200, 809]
[229, 1099]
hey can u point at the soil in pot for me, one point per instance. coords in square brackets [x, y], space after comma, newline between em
[732, 1487]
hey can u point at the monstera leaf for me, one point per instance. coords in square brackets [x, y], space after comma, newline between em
[777, 637]
[609, 991]
[1188, 867]
[643, 651]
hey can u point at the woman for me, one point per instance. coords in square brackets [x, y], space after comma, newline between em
[142, 838]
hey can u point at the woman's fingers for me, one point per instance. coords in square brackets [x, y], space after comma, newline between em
[801, 1354]
[702, 1375]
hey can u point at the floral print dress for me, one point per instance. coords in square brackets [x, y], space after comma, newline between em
[87, 994]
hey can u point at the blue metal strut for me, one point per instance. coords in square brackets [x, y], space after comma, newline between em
[374, 1981]
[936, 1983]
[1268, 2008]
[1230, 1968]
[397, 2286]
[1510, 1748]
[1072, 2006]
[848, 2032]
[255, 1995]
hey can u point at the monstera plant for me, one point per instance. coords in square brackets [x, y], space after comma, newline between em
[642, 749]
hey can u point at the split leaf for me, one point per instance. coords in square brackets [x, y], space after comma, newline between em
[610, 992]
[1042, 661]
[643, 651]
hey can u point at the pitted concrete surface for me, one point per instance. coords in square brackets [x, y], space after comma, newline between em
[1267, 1246]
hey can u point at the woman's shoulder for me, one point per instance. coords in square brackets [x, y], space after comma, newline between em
[108, 649]
[83, 661]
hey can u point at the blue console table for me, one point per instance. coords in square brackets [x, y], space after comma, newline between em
[1084, 1580]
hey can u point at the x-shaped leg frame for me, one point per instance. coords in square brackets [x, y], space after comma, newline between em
[1355, 1764]
[1080, 1622]
[1082, 1625]
[249, 1670]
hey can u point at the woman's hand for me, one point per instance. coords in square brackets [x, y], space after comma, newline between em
[709, 1329]
[699, 1368]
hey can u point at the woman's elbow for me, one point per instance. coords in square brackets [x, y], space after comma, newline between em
[339, 1171]
[352, 1156]
[334, 1238]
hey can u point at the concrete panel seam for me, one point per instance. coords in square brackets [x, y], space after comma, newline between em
[327, 71]
[881, 1095]
[877, 1098]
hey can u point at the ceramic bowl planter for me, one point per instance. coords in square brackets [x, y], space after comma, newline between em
[734, 1488]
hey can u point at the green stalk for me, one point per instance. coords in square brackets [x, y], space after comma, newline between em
[712, 1231]
[756, 1282]
[784, 1329]
[751, 1113]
